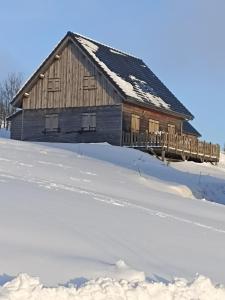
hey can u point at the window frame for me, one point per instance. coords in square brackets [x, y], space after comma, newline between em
[155, 125]
[89, 83]
[89, 120]
[51, 128]
[54, 84]
[171, 126]
[135, 119]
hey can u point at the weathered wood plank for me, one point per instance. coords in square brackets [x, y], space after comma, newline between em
[71, 67]
[174, 144]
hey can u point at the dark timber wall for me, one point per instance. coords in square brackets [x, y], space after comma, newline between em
[16, 126]
[145, 115]
[108, 125]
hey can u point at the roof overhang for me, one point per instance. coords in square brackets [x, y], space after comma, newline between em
[10, 117]
[160, 109]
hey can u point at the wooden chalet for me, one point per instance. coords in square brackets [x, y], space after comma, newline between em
[88, 92]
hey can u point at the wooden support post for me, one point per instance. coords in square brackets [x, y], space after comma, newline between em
[183, 156]
[197, 149]
[204, 144]
[163, 154]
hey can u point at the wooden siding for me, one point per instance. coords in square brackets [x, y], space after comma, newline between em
[145, 116]
[108, 125]
[67, 74]
[16, 126]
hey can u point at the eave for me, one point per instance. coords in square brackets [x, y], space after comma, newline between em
[150, 106]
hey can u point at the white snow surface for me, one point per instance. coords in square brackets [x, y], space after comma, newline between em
[71, 213]
[25, 287]
[139, 92]
[117, 52]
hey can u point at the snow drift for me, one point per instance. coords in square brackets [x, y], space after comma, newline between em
[24, 287]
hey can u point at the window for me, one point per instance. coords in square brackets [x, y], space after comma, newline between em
[89, 83]
[53, 84]
[51, 123]
[153, 126]
[88, 122]
[135, 123]
[171, 129]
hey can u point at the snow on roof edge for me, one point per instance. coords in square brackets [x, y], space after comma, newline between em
[131, 90]
[110, 47]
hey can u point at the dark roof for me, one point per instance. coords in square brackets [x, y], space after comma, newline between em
[130, 75]
[189, 129]
[125, 69]
[10, 117]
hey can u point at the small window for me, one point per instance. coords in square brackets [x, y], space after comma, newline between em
[89, 122]
[153, 126]
[51, 123]
[89, 83]
[53, 84]
[135, 123]
[171, 129]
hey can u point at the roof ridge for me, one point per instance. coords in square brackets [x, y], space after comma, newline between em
[115, 49]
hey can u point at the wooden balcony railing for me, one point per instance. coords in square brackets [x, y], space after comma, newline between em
[173, 143]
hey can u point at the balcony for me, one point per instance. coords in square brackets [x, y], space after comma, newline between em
[173, 145]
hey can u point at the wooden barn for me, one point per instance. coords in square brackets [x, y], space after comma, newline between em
[89, 92]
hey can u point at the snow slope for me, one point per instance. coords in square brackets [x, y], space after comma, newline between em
[74, 212]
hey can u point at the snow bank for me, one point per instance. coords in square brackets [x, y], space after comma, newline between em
[222, 161]
[4, 133]
[24, 287]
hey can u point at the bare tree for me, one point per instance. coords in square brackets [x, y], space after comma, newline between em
[8, 89]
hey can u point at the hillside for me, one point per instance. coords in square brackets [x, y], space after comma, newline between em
[75, 212]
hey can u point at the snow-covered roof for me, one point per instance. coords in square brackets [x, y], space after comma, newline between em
[132, 76]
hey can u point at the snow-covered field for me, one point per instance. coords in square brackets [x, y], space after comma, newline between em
[71, 213]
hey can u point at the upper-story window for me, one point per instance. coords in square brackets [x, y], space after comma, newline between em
[153, 126]
[89, 82]
[88, 122]
[53, 84]
[135, 123]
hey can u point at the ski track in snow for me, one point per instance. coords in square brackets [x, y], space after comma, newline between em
[111, 200]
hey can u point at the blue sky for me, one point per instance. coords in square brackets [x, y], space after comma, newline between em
[181, 41]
